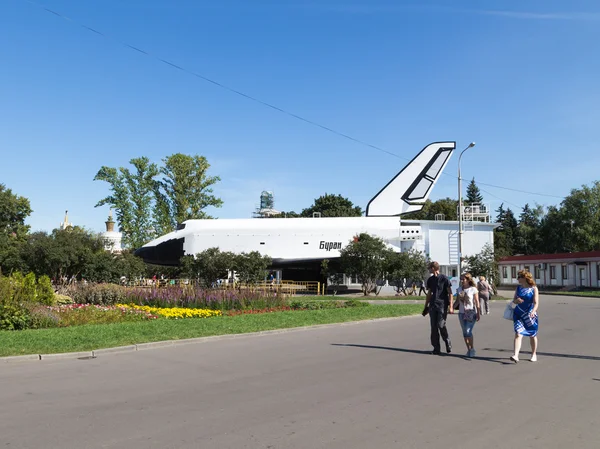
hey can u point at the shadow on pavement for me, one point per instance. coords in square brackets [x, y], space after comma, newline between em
[416, 351]
[549, 354]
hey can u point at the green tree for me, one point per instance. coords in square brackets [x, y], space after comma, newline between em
[63, 253]
[14, 210]
[331, 275]
[410, 265]
[212, 265]
[290, 214]
[554, 231]
[445, 206]
[582, 208]
[366, 257]
[484, 264]
[185, 191]
[505, 236]
[251, 268]
[528, 233]
[131, 196]
[332, 206]
[473, 194]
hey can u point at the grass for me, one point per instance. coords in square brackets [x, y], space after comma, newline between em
[90, 337]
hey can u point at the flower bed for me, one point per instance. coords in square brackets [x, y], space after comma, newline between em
[199, 298]
[80, 314]
[172, 312]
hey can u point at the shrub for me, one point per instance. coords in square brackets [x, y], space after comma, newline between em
[99, 294]
[62, 300]
[356, 303]
[299, 304]
[14, 317]
[80, 314]
[28, 292]
[198, 298]
[42, 317]
[45, 292]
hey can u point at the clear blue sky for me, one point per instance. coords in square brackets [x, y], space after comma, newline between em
[518, 77]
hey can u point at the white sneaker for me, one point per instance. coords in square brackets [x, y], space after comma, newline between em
[514, 358]
[473, 352]
[533, 358]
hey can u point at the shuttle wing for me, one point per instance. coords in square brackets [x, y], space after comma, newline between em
[409, 189]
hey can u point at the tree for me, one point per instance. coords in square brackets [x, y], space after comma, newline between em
[473, 194]
[446, 207]
[14, 210]
[582, 209]
[506, 234]
[184, 191]
[528, 232]
[290, 214]
[484, 264]
[131, 196]
[251, 268]
[64, 253]
[210, 265]
[553, 232]
[331, 276]
[366, 258]
[333, 206]
[146, 205]
[410, 265]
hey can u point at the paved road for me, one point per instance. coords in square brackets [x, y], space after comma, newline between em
[371, 385]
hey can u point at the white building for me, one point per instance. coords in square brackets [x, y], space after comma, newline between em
[112, 239]
[558, 270]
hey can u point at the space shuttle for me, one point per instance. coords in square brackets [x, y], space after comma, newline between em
[302, 243]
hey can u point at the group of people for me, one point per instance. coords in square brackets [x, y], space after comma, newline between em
[440, 302]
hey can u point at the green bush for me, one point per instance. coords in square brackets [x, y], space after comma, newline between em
[99, 294]
[299, 304]
[28, 290]
[14, 317]
[41, 317]
[45, 291]
[62, 300]
[356, 303]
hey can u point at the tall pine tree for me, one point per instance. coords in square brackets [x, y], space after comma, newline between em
[473, 194]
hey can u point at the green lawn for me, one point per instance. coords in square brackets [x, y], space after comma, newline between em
[90, 337]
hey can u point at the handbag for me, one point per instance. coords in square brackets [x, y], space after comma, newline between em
[509, 311]
[470, 315]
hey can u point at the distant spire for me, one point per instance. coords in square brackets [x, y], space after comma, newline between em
[110, 223]
[65, 224]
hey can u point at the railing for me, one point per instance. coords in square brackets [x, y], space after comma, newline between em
[284, 287]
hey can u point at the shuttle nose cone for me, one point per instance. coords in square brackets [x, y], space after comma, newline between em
[165, 253]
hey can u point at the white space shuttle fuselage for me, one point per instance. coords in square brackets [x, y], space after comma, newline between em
[294, 240]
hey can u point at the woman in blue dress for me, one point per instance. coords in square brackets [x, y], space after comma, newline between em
[525, 315]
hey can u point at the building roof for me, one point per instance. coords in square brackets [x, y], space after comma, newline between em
[549, 257]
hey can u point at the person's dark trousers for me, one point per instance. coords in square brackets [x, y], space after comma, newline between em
[437, 319]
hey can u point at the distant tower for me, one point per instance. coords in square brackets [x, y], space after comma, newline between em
[267, 204]
[65, 224]
[112, 239]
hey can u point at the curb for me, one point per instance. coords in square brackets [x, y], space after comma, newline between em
[87, 355]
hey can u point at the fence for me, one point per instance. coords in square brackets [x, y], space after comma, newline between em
[284, 287]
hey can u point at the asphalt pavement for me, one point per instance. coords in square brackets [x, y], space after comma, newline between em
[367, 385]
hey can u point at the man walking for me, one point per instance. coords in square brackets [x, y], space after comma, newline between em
[437, 304]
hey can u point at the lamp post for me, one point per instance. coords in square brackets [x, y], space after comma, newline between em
[460, 209]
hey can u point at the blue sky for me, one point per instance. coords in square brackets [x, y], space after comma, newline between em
[518, 77]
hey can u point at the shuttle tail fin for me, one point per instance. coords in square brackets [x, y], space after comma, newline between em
[410, 188]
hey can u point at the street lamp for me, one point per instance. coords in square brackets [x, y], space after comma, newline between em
[460, 209]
